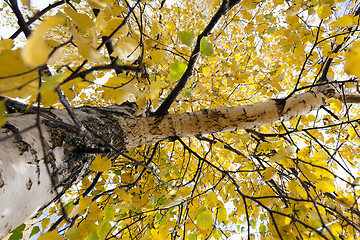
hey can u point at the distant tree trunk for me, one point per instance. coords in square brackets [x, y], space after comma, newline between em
[25, 185]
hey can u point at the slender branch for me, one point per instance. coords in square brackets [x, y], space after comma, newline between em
[23, 26]
[164, 107]
[37, 16]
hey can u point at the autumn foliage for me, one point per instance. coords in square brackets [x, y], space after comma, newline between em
[297, 179]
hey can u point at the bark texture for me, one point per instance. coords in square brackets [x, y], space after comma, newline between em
[25, 185]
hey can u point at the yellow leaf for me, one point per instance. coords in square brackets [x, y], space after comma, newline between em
[352, 65]
[23, 82]
[50, 235]
[204, 220]
[324, 11]
[36, 51]
[157, 56]
[96, 4]
[247, 15]
[84, 202]
[83, 21]
[85, 47]
[352, 133]
[113, 24]
[76, 210]
[344, 21]
[100, 164]
[127, 49]
[335, 104]
[155, 88]
[269, 173]
[6, 44]
[356, 181]
[206, 71]
[325, 185]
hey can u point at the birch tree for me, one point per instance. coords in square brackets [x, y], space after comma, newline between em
[180, 120]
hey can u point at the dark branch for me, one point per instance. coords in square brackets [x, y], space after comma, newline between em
[37, 16]
[164, 107]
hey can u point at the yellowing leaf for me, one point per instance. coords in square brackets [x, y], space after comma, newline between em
[324, 11]
[269, 173]
[100, 164]
[2, 113]
[335, 104]
[211, 200]
[36, 52]
[222, 214]
[51, 82]
[112, 25]
[206, 71]
[206, 47]
[186, 37]
[73, 233]
[83, 21]
[126, 49]
[44, 223]
[205, 220]
[50, 235]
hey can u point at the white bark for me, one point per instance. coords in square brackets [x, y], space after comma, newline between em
[25, 186]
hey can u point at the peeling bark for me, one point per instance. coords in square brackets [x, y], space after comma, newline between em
[25, 186]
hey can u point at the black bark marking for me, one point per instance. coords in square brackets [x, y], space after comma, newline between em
[18, 139]
[1, 181]
[29, 184]
[280, 105]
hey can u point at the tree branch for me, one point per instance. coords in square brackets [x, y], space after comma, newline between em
[37, 16]
[164, 107]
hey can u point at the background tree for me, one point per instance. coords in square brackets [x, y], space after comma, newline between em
[282, 164]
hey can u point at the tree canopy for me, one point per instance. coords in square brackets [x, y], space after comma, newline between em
[291, 179]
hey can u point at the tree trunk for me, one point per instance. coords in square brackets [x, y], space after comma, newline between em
[25, 185]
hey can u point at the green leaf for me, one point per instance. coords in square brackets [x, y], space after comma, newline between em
[177, 70]
[16, 236]
[206, 47]
[76, 1]
[202, 16]
[268, 16]
[188, 92]
[186, 37]
[34, 231]
[17, 233]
